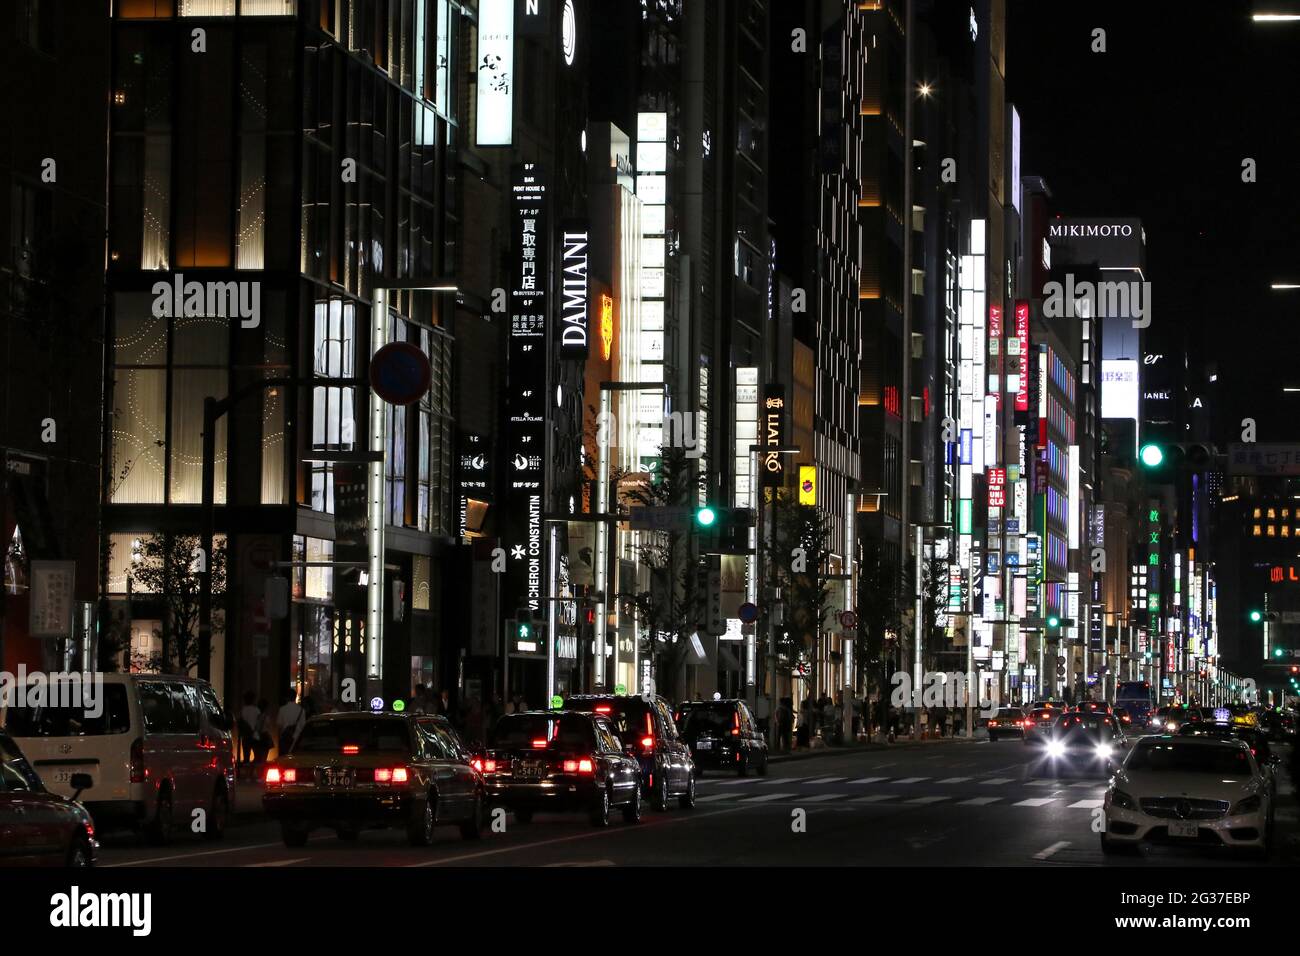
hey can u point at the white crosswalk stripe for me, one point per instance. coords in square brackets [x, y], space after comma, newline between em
[821, 780]
[927, 799]
[767, 798]
[825, 797]
[874, 798]
[713, 796]
[1045, 783]
[741, 781]
[1086, 804]
[869, 780]
[1033, 802]
[911, 779]
[955, 780]
[978, 801]
[997, 780]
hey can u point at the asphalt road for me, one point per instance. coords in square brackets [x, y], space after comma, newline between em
[945, 803]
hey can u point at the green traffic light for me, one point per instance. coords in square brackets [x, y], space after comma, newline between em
[1277, 652]
[1256, 617]
[1152, 455]
[1053, 621]
[705, 517]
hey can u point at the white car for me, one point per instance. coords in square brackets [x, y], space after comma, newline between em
[1196, 791]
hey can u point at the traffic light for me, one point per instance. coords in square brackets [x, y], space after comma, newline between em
[1152, 455]
[705, 517]
[1256, 616]
[1053, 621]
[724, 530]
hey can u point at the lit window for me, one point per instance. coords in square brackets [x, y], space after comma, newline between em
[1286, 512]
[1257, 531]
[1256, 514]
[1286, 531]
[1272, 513]
[1272, 531]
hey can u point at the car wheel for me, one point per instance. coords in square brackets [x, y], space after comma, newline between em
[632, 810]
[687, 800]
[419, 832]
[159, 830]
[79, 852]
[472, 828]
[349, 834]
[600, 812]
[660, 798]
[293, 835]
[218, 815]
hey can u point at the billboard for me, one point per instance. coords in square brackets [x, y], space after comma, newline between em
[1120, 393]
[496, 69]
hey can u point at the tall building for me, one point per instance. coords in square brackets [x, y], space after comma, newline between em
[273, 164]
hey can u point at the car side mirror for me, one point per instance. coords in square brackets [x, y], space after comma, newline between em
[80, 782]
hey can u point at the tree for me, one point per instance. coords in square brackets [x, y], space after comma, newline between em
[667, 613]
[168, 568]
[880, 611]
[796, 557]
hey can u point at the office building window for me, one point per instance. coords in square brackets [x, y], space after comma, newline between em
[333, 423]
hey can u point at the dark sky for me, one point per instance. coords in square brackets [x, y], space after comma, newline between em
[1157, 127]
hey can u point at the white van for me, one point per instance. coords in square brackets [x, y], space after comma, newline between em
[156, 748]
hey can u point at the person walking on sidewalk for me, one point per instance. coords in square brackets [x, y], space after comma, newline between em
[290, 719]
[246, 723]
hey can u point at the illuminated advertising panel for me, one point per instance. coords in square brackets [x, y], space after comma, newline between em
[496, 69]
[1120, 394]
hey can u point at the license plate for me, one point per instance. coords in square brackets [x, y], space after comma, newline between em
[336, 777]
[1179, 828]
[63, 776]
[704, 745]
[530, 772]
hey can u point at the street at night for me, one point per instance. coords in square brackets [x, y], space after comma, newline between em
[817, 464]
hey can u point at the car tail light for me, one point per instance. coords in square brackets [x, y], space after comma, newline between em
[735, 725]
[603, 708]
[648, 743]
[993, 723]
[289, 775]
[484, 765]
[273, 777]
[137, 760]
[579, 766]
[383, 775]
[539, 744]
[351, 749]
[1029, 723]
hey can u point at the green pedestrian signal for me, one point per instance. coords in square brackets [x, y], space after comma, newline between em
[557, 702]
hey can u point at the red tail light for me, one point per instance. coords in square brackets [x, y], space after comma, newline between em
[272, 776]
[604, 708]
[137, 760]
[484, 766]
[735, 725]
[394, 775]
[993, 723]
[351, 749]
[289, 775]
[648, 743]
[476, 764]
[579, 766]
[539, 744]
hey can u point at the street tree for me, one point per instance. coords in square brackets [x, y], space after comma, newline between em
[166, 568]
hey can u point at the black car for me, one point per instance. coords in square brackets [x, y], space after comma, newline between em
[1225, 730]
[646, 728]
[556, 760]
[353, 771]
[1007, 722]
[722, 734]
[1087, 744]
[37, 827]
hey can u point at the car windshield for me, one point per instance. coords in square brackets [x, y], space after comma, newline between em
[719, 719]
[98, 711]
[367, 734]
[1009, 713]
[1174, 757]
[1094, 725]
[1043, 714]
[563, 732]
[627, 716]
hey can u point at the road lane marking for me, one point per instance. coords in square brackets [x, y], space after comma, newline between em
[767, 798]
[301, 859]
[869, 780]
[820, 780]
[1033, 802]
[911, 779]
[1087, 804]
[712, 797]
[996, 780]
[1045, 783]
[874, 798]
[824, 797]
[577, 836]
[187, 856]
[954, 780]
[739, 781]
[927, 799]
[1044, 854]
[978, 801]
[1088, 783]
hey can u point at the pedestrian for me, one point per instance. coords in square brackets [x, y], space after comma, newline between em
[420, 700]
[762, 713]
[262, 738]
[289, 718]
[443, 704]
[247, 724]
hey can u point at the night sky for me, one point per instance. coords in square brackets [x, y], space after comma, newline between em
[1157, 127]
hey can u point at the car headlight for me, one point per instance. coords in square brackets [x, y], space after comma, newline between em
[1118, 798]
[1249, 805]
[1171, 725]
[1104, 751]
[1055, 749]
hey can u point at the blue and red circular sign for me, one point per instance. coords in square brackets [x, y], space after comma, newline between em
[400, 373]
[748, 612]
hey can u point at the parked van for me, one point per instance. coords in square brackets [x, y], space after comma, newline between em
[156, 748]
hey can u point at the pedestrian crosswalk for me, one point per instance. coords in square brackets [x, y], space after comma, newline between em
[911, 791]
